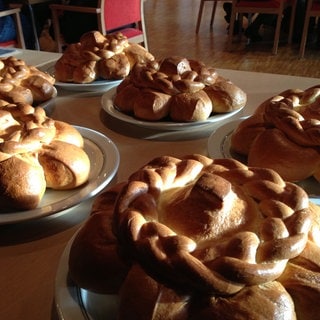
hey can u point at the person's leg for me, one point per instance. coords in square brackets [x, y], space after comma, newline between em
[252, 32]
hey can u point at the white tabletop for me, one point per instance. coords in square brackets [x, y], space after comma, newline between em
[30, 251]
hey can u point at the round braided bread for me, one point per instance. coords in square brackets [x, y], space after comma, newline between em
[283, 134]
[194, 229]
[189, 90]
[37, 152]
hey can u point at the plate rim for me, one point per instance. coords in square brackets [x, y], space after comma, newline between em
[93, 84]
[213, 141]
[67, 295]
[108, 107]
[108, 170]
[66, 298]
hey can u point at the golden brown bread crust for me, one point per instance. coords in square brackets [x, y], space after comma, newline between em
[96, 56]
[210, 238]
[18, 189]
[20, 82]
[195, 91]
[37, 152]
[283, 134]
[95, 247]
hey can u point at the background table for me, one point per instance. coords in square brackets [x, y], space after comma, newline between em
[30, 251]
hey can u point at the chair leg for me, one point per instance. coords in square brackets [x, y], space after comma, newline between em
[277, 35]
[200, 15]
[213, 13]
[304, 36]
[292, 17]
[20, 37]
[56, 29]
[231, 28]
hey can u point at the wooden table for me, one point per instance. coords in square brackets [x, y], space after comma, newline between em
[30, 251]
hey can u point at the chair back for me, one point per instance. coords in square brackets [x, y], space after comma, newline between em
[126, 16]
[119, 13]
[19, 41]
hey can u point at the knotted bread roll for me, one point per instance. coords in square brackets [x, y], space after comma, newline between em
[283, 134]
[202, 238]
[96, 57]
[20, 82]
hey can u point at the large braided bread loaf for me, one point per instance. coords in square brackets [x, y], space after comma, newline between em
[37, 152]
[200, 238]
[97, 57]
[283, 134]
[177, 89]
[20, 82]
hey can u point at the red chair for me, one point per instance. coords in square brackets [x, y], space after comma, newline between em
[127, 16]
[312, 10]
[19, 41]
[276, 7]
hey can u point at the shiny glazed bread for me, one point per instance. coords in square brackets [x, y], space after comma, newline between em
[283, 134]
[200, 238]
[95, 56]
[177, 89]
[20, 82]
[37, 152]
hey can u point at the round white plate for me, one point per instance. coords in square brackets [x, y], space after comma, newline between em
[219, 144]
[98, 85]
[104, 159]
[75, 303]
[108, 106]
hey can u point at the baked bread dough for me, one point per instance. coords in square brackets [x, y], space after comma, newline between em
[37, 152]
[191, 91]
[95, 56]
[283, 134]
[20, 82]
[201, 238]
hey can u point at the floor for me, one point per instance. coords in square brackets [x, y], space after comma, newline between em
[171, 31]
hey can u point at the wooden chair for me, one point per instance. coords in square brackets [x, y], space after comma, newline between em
[276, 7]
[111, 15]
[19, 41]
[312, 10]
[213, 12]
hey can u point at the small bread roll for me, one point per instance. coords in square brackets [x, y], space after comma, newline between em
[114, 68]
[151, 105]
[124, 99]
[22, 182]
[174, 65]
[225, 96]
[65, 166]
[186, 107]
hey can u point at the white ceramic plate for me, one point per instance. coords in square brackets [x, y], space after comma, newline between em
[108, 106]
[219, 147]
[104, 158]
[75, 303]
[98, 85]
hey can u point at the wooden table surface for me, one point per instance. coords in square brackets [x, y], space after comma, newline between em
[30, 251]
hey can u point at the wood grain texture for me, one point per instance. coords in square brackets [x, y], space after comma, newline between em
[171, 26]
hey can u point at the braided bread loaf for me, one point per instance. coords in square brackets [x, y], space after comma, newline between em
[200, 238]
[96, 56]
[283, 134]
[37, 152]
[20, 82]
[178, 89]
